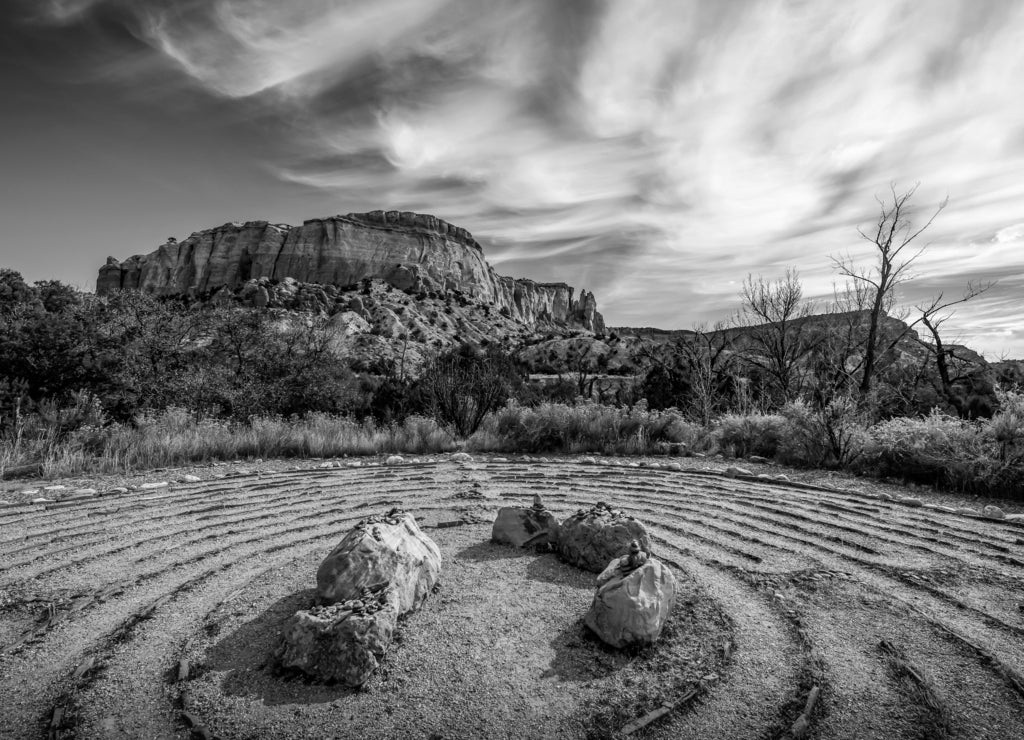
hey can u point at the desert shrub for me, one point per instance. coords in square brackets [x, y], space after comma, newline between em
[584, 427]
[750, 434]
[829, 436]
[177, 436]
[937, 449]
[460, 387]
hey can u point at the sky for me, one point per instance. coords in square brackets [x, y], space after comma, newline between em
[655, 152]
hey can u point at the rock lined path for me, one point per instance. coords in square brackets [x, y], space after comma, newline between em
[907, 620]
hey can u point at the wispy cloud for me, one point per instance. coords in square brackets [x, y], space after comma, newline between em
[659, 149]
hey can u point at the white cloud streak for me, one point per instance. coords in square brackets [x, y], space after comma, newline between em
[664, 148]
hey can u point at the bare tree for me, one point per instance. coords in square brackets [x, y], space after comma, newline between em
[933, 316]
[892, 237]
[774, 313]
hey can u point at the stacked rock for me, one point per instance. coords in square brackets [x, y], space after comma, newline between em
[526, 527]
[634, 598]
[592, 537]
[383, 568]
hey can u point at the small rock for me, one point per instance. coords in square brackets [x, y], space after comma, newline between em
[155, 484]
[190, 479]
[85, 492]
[886, 496]
[325, 465]
[993, 512]
[674, 466]
[782, 478]
[733, 471]
[499, 459]
[757, 459]
[765, 476]
[461, 457]
[699, 454]
[1015, 517]
[966, 511]
[589, 461]
[355, 464]
[395, 460]
[5, 503]
[42, 500]
[654, 465]
[119, 489]
[55, 488]
[911, 501]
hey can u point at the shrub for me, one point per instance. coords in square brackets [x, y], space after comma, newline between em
[585, 427]
[750, 434]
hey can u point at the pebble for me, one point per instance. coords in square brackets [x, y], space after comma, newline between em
[154, 484]
[190, 479]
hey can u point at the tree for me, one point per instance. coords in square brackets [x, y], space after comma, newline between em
[892, 237]
[933, 316]
[461, 386]
[775, 313]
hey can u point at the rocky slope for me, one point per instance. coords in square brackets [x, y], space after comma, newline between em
[411, 252]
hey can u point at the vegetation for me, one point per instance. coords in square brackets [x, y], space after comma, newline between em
[129, 381]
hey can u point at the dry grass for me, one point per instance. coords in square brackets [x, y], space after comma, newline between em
[176, 437]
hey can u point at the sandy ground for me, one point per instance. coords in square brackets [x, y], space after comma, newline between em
[786, 587]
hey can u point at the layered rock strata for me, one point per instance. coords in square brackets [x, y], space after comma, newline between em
[410, 251]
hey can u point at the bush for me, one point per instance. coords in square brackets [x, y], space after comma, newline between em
[833, 436]
[585, 427]
[743, 435]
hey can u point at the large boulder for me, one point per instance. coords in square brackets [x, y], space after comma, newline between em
[526, 527]
[388, 550]
[633, 601]
[343, 642]
[590, 538]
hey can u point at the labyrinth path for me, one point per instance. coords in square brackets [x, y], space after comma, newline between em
[154, 613]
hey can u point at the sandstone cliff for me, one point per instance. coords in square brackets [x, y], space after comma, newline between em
[408, 250]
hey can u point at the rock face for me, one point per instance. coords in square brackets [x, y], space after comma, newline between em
[589, 539]
[344, 642]
[526, 527]
[389, 549]
[631, 607]
[409, 250]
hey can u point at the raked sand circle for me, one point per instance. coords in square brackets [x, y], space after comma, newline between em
[167, 604]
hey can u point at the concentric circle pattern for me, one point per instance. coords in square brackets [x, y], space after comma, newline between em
[847, 616]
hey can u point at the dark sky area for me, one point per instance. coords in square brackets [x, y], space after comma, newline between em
[654, 151]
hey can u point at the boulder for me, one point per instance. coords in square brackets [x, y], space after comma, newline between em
[993, 512]
[388, 550]
[343, 642]
[589, 539]
[633, 601]
[526, 527]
